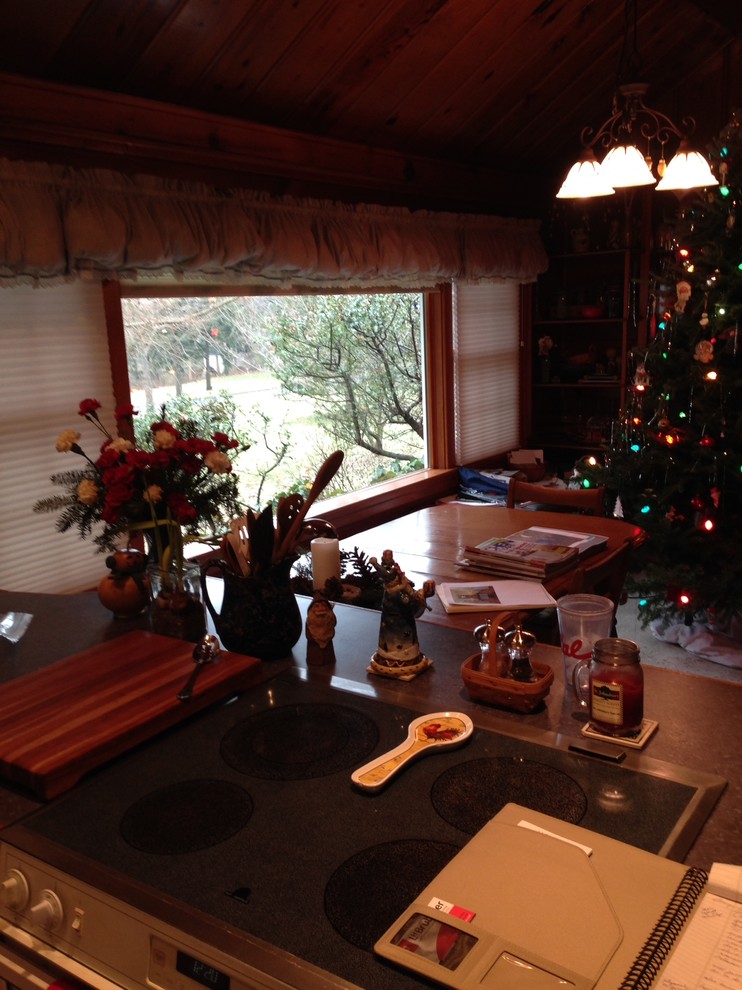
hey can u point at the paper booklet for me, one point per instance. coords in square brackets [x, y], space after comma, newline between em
[486, 596]
[564, 906]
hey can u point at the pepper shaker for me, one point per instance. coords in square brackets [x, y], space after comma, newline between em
[519, 646]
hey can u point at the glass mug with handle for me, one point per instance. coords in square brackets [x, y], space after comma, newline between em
[583, 620]
[615, 686]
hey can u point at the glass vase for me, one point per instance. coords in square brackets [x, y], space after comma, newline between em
[177, 608]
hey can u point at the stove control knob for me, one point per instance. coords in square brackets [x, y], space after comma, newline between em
[15, 890]
[47, 911]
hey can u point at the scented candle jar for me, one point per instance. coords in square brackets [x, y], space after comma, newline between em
[616, 687]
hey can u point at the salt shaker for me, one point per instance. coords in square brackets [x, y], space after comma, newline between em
[493, 658]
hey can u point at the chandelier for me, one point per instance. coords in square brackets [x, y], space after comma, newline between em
[632, 123]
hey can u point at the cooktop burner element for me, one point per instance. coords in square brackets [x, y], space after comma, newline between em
[361, 895]
[469, 794]
[298, 742]
[186, 817]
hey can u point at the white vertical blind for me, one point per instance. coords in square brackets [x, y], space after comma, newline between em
[486, 372]
[60, 334]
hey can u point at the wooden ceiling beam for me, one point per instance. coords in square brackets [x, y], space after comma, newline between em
[83, 127]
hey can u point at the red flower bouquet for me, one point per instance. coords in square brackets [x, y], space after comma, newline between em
[182, 483]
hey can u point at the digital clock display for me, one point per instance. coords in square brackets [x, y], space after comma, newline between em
[201, 972]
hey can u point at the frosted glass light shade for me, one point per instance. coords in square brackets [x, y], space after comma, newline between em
[585, 180]
[624, 166]
[687, 170]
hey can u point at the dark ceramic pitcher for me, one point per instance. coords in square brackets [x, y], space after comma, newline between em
[259, 616]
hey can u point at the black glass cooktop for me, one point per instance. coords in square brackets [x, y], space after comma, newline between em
[249, 815]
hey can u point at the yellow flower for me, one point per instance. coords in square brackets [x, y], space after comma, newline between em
[164, 439]
[67, 440]
[217, 462]
[87, 492]
[121, 445]
[153, 494]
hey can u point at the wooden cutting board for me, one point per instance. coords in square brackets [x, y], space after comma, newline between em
[58, 723]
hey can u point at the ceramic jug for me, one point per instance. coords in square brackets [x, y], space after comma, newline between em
[259, 615]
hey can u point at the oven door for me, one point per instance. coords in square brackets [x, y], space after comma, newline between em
[31, 965]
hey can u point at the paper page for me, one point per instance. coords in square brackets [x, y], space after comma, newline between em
[708, 956]
[497, 594]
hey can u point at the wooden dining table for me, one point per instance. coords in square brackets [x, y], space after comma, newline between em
[428, 542]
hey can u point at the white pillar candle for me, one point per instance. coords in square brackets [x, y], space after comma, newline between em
[325, 560]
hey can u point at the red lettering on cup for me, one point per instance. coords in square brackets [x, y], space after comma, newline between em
[573, 649]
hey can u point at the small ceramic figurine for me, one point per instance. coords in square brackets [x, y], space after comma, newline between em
[320, 630]
[399, 653]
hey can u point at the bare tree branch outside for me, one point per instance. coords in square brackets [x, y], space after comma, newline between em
[299, 376]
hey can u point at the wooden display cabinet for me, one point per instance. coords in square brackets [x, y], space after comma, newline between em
[580, 321]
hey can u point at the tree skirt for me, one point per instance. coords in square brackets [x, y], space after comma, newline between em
[701, 640]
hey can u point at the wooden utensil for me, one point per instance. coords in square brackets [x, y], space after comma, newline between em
[326, 473]
[287, 510]
[236, 548]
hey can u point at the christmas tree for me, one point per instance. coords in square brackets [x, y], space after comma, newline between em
[675, 461]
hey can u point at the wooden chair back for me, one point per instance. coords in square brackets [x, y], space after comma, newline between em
[588, 501]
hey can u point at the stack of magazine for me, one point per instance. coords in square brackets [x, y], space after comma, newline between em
[536, 553]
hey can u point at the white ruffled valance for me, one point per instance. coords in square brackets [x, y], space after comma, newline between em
[60, 223]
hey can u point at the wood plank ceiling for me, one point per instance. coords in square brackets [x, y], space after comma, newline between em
[472, 104]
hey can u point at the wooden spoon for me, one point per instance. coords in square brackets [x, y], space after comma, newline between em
[286, 511]
[328, 470]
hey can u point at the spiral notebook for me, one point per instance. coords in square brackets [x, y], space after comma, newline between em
[532, 902]
[697, 943]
